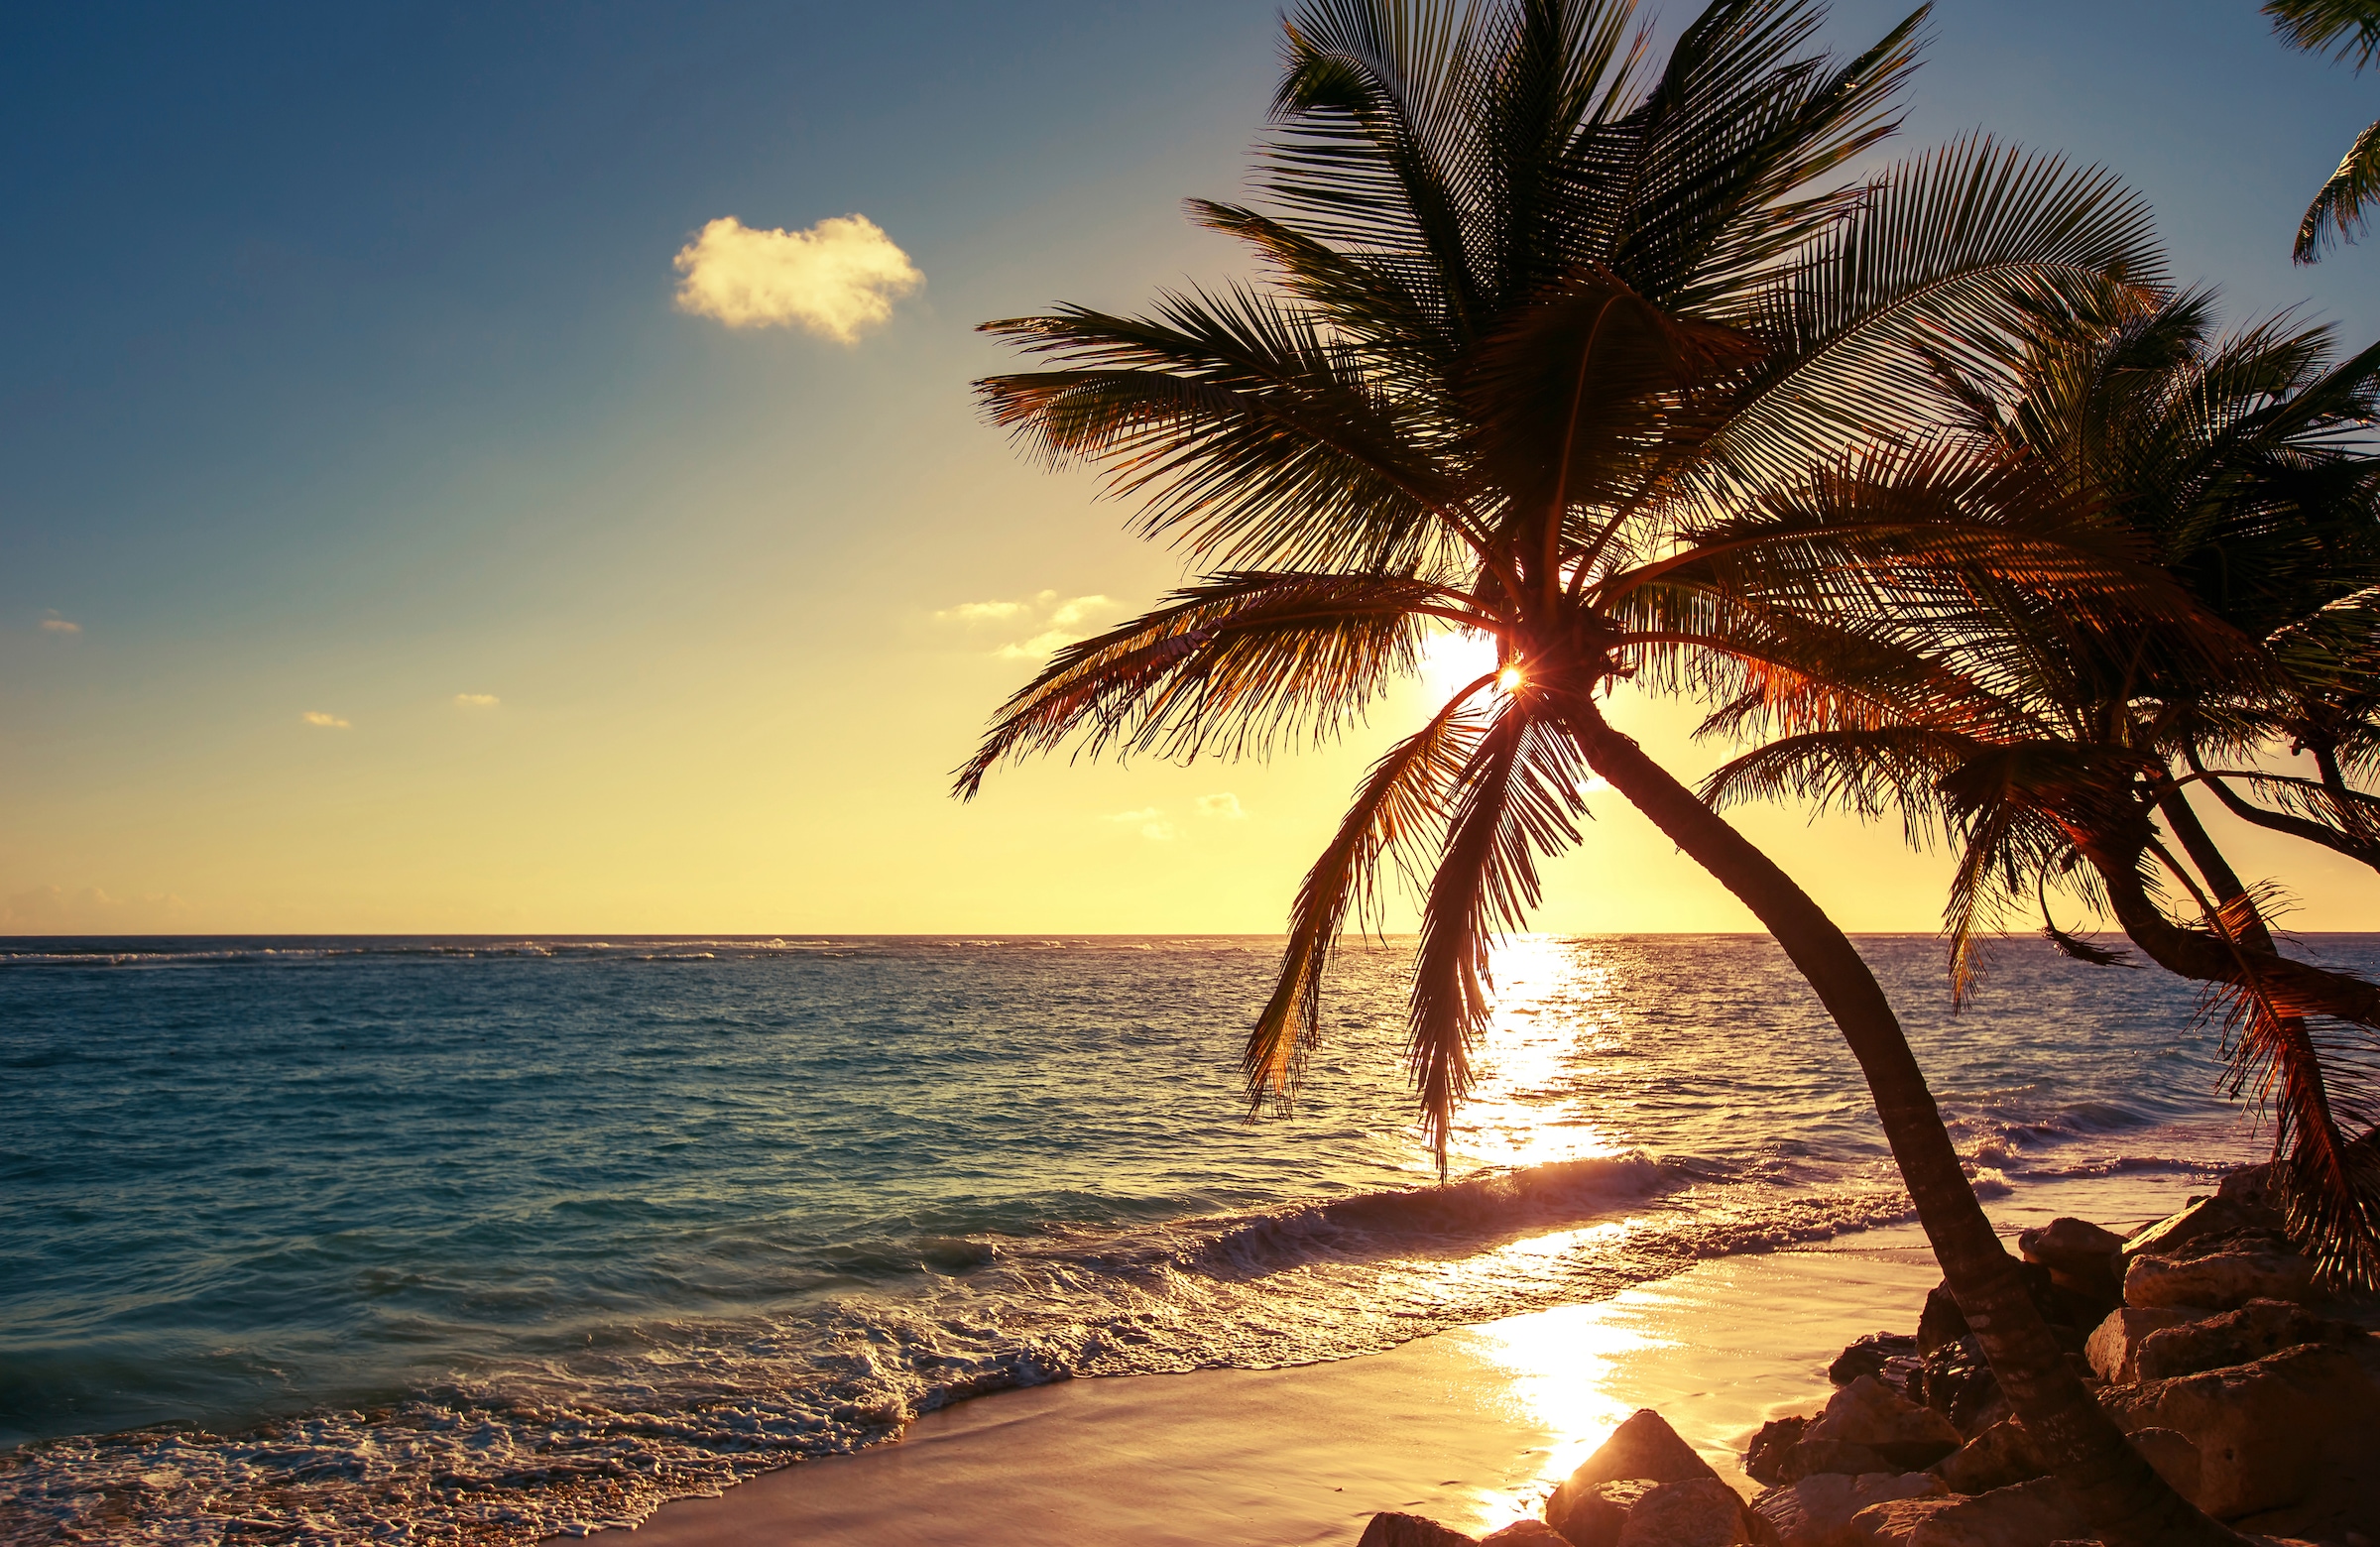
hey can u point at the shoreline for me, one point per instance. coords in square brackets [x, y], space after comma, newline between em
[1472, 1426]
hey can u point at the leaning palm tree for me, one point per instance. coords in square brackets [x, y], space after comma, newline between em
[2053, 743]
[2350, 30]
[1531, 304]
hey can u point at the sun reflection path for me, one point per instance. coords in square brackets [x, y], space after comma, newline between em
[1542, 1090]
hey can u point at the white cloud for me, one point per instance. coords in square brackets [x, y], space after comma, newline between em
[835, 278]
[477, 700]
[326, 721]
[1226, 806]
[1149, 819]
[1060, 621]
[53, 624]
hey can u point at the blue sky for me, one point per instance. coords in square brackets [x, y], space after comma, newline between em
[341, 378]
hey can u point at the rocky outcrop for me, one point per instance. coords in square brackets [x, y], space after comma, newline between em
[1817, 1511]
[1525, 1533]
[1765, 1460]
[2114, 1345]
[1874, 1355]
[1411, 1530]
[2218, 1282]
[2265, 1432]
[2080, 1257]
[1697, 1513]
[2257, 1329]
[1870, 1414]
[1589, 1510]
[2030, 1514]
[2000, 1457]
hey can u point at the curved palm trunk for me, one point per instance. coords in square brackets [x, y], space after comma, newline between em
[2118, 1492]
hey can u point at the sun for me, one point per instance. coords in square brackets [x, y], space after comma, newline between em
[1510, 678]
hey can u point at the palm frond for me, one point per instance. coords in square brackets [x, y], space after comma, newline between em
[1402, 799]
[2351, 27]
[2339, 206]
[1230, 665]
[1517, 800]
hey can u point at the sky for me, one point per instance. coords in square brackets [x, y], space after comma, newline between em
[508, 469]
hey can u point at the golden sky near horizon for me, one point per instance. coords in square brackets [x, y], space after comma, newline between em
[507, 512]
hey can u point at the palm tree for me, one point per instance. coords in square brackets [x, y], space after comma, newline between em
[2050, 741]
[1531, 303]
[2353, 28]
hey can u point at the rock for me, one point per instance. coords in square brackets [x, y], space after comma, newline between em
[1525, 1533]
[1817, 1511]
[1957, 1384]
[1869, 1413]
[1869, 1356]
[1697, 1513]
[2173, 1455]
[2265, 1431]
[2000, 1457]
[1832, 1458]
[2251, 1187]
[1643, 1447]
[2082, 1258]
[2030, 1514]
[1595, 1515]
[2256, 1329]
[2222, 1281]
[2114, 1348]
[1764, 1463]
[1407, 1530]
[2200, 1219]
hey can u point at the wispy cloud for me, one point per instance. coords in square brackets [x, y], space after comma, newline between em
[1225, 805]
[477, 700]
[87, 911]
[835, 279]
[53, 624]
[330, 722]
[1056, 623]
[1149, 819]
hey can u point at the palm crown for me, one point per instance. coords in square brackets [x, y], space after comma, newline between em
[1532, 311]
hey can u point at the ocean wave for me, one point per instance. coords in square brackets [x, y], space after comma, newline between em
[596, 1438]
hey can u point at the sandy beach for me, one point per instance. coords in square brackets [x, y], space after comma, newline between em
[1473, 1426]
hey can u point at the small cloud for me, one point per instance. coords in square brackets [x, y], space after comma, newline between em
[834, 279]
[53, 624]
[326, 721]
[477, 700]
[1225, 805]
[1149, 819]
[89, 910]
[1059, 621]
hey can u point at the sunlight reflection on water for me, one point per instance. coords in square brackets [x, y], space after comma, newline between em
[1543, 1070]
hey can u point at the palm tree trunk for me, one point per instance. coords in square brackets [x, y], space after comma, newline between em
[2283, 821]
[2117, 1492]
[2221, 879]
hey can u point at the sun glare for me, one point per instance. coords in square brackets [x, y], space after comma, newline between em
[1510, 678]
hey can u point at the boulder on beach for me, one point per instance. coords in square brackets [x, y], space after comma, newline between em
[1832, 1458]
[1871, 1414]
[2256, 1329]
[2000, 1457]
[2080, 1257]
[1872, 1356]
[1595, 1515]
[2265, 1432]
[2114, 1345]
[2219, 1281]
[1411, 1530]
[1765, 1461]
[2202, 1220]
[1697, 1513]
[1817, 1511]
[1526, 1533]
[1643, 1448]
[2029, 1514]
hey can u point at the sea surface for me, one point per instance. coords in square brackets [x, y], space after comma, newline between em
[482, 1239]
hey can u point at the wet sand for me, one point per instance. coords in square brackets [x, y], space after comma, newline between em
[1472, 1426]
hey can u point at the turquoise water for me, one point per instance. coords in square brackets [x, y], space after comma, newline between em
[439, 1240]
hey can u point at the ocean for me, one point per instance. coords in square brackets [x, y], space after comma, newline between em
[485, 1239]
